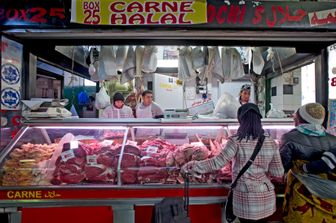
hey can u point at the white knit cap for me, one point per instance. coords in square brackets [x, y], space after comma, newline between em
[313, 113]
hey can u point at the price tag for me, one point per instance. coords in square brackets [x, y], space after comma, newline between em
[67, 155]
[73, 144]
[91, 160]
[152, 149]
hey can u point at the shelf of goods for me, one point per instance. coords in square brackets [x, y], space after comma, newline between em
[128, 165]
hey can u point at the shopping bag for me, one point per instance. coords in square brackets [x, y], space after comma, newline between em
[102, 99]
[83, 98]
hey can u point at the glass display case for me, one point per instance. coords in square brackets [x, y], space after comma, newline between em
[88, 152]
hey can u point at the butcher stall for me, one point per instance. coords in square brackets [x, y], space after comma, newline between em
[123, 167]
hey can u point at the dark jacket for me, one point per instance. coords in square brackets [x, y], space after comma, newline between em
[326, 164]
[295, 145]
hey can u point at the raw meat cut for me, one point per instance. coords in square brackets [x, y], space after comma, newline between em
[152, 175]
[150, 161]
[129, 149]
[91, 162]
[129, 176]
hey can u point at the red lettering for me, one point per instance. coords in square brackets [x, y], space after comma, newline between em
[186, 7]
[137, 19]
[2, 14]
[87, 16]
[211, 12]
[182, 19]
[259, 10]
[57, 12]
[220, 14]
[114, 7]
[12, 14]
[333, 82]
[168, 19]
[135, 6]
[284, 15]
[273, 22]
[150, 19]
[118, 17]
[85, 5]
[233, 14]
[170, 7]
[242, 14]
[155, 6]
[23, 15]
[41, 12]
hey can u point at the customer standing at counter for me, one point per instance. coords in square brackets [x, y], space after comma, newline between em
[118, 109]
[309, 198]
[148, 108]
[253, 197]
[244, 94]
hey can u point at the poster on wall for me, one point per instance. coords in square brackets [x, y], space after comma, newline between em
[11, 74]
[332, 114]
[332, 71]
[139, 12]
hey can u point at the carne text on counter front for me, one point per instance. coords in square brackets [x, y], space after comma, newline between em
[32, 194]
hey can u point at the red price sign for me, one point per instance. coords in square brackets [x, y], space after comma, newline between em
[333, 82]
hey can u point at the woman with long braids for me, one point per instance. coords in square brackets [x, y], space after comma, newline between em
[254, 196]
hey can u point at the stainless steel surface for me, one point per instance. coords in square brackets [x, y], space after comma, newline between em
[148, 122]
[100, 34]
[123, 213]
[121, 156]
[123, 187]
[103, 202]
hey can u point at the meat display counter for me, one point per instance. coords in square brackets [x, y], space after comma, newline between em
[126, 164]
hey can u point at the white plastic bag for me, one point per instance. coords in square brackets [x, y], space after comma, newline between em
[258, 61]
[149, 61]
[128, 73]
[185, 66]
[217, 69]
[198, 58]
[121, 56]
[275, 113]
[226, 107]
[102, 99]
[232, 64]
[108, 61]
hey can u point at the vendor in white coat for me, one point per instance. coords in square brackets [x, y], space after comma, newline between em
[118, 109]
[148, 108]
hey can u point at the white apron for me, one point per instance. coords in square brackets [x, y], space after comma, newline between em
[146, 113]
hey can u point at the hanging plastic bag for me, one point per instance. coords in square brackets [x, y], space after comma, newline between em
[108, 60]
[94, 64]
[217, 68]
[198, 58]
[149, 61]
[128, 72]
[236, 68]
[257, 61]
[226, 107]
[83, 98]
[102, 99]
[121, 57]
[185, 67]
[275, 113]
[73, 111]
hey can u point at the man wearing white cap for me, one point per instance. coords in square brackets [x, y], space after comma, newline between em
[300, 149]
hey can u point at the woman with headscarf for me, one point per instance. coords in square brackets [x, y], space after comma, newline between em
[309, 149]
[254, 197]
[244, 94]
